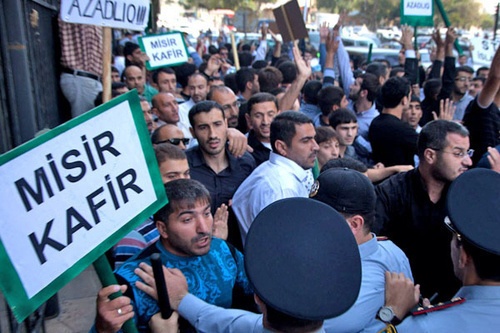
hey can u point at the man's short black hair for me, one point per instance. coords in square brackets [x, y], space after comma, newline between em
[183, 72]
[118, 85]
[289, 71]
[465, 69]
[285, 323]
[480, 69]
[166, 151]
[243, 76]
[486, 263]
[166, 70]
[371, 84]
[377, 68]
[269, 79]
[245, 58]
[480, 78]
[342, 116]
[311, 90]
[283, 127]
[259, 64]
[261, 98]
[325, 133]
[432, 87]
[128, 49]
[328, 97]
[433, 135]
[415, 99]
[231, 83]
[394, 90]
[203, 106]
[186, 192]
[396, 70]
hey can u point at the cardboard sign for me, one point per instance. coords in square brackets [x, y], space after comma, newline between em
[417, 13]
[290, 22]
[167, 49]
[121, 14]
[71, 194]
[484, 50]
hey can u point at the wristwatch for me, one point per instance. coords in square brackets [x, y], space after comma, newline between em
[387, 315]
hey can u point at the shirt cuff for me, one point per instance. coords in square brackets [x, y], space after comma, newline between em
[191, 49]
[329, 72]
[410, 54]
[189, 307]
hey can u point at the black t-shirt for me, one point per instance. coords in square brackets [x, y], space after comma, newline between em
[393, 141]
[414, 223]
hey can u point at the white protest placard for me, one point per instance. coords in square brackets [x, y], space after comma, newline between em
[483, 50]
[417, 12]
[71, 194]
[121, 14]
[167, 49]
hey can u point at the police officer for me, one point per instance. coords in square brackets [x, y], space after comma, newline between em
[303, 263]
[474, 219]
[352, 194]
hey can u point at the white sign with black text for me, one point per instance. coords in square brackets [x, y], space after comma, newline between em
[164, 49]
[121, 14]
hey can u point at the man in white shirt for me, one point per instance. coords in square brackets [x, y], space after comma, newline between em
[287, 174]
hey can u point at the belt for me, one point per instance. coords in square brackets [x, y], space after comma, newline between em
[81, 73]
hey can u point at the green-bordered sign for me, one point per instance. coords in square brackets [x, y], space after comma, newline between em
[167, 49]
[417, 13]
[69, 195]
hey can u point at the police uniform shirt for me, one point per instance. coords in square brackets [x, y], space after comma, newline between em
[480, 312]
[377, 257]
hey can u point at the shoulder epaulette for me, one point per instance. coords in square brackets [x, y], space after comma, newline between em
[439, 306]
[389, 329]
[382, 238]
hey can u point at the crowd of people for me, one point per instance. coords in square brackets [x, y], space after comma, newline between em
[385, 147]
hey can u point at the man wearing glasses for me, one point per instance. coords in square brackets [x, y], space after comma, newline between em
[473, 205]
[227, 99]
[411, 205]
[171, 134]
[460, 93]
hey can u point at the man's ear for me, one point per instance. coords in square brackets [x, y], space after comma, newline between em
[430, 155]
[192, 132]
[162, 229]
[356, 224]
[281, 147]
[363, 93]
[247, 117]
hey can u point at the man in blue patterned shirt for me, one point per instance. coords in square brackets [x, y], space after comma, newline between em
[185, 225]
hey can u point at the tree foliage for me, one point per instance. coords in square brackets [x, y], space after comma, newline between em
[461, 13]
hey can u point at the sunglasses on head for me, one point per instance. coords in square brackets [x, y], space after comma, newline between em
[175, 141]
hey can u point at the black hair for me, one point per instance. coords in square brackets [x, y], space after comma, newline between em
[484, 68]
[487, 264]
[261, 98]
[182, 192]
[166, 70]
[325, 133]
[245, 58]
[342, 116]
[433, 135]
[259, 64]
[393, 91]
[465, 69]
[283, 127]
[183, 72]
[269, 79]
[377, 68]
[289, 71]
[286, 323]
[117, 85]
[432, 87]
[328, 97]
[243, 76]
[203, 106]
[371, 84]
[166, 151]
[311, 90]
[230, 81]
[128, 49]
